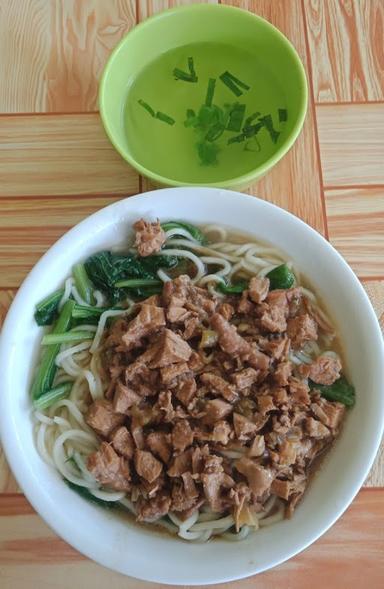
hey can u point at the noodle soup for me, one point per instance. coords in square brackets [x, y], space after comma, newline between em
[191, 380]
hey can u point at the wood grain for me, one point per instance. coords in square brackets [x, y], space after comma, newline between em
[52, 53]
[59, 155]
[29, 226]
[346, 49]
[356, 227]
[147, 8]
[295, 183]
[351, 143]
[356, 537]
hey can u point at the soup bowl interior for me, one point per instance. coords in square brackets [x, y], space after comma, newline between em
[114, 540]
[200, 24]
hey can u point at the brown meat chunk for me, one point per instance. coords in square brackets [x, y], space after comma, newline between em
[102, 418]
[170, 349]
[281, 488]
[265, 403]
[149, 319]
[315, 428]
[274, 319]
[245, 429]
[259, 478]
[122, 442]
[301, 329]
[299, 391]
[258, 289]
[182, 435]
[169, 373]
[280, 396]
[215, 410]
[186, 390]
[109, 469]
[218, 385]
[181, 463]
[229, 340]
[277, 348]
[245, 306]
[165, 407]
[287, 452]
[240, 495]
[221, 432]
[159, 444]
[330, 413]
[244, 378]
[154, 508]
[178, 288]
[149, 237]
[257, 448]
[325, 370]
[147, 466]
[282, 373]
[124, 398]
[192, 327]
[226, 310]
[189, 486]
[256, 358]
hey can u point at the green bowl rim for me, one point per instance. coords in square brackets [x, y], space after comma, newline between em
[249, 177]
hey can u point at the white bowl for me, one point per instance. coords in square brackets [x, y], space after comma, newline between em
[115, 542]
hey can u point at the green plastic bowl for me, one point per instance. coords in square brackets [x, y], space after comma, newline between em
[195, 24]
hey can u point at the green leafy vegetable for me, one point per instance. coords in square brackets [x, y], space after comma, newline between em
[268, 124]
[47, 369]
[83, 284]
[229, 289]
[340, 391]
[208, 152]
[47, 310]
[236, 117]
[52, 339]
[56, 394]
[184, 76]
[86, 494]
[283, 115]
[106, 268]
[165, 118]
[146, 106]
[210, 91]
[281, 277]
[236, 139]
[192, 229]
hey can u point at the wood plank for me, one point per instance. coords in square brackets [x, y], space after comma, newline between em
[59, 155]
[29, 226]
[295, 182]
[147, 8]
[52, 53]
[356, 227]
[356, 541]
[351, 143]
[346, 47]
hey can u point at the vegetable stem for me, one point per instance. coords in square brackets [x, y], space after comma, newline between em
[83, 284]
[47, 369]
[46, 310]
[52, 339]
[52, 396]
[137, 283]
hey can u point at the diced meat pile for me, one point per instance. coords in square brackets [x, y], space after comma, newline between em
[204, 407]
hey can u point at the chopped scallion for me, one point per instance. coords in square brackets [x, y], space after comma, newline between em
[165, 118]
[283, 115]
[233, 83]
[236, 117]
[210, 91]
[236, 139]
[146, 106]
[268, 124]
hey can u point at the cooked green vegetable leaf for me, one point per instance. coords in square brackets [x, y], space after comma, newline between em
[268, 124]
[281, 277]
[87, 312]
[47, 310]
[47, 369]
[86, 494]
[165, 118]
[106, 268]
[146, 106]
[236, 117]
[192, 229]
[283, 115]
[210, 91]
[237, 288]
[340, 391]
[50, 397]
[83, 285]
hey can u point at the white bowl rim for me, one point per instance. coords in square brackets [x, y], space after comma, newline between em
[10, 441]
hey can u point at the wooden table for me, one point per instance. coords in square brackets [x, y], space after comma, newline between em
[56, 167]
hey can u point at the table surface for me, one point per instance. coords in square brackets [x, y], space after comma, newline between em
[56, 167]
